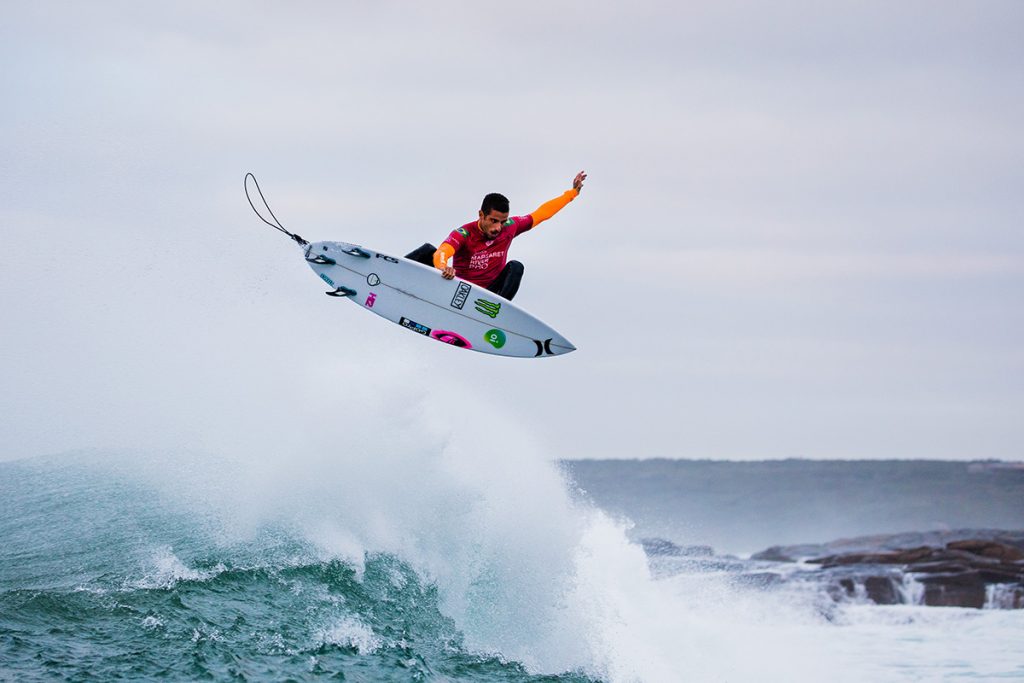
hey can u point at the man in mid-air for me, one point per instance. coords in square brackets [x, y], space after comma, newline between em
[480, 248]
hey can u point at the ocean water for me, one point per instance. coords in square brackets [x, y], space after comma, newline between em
[417, 563]
[745, 507]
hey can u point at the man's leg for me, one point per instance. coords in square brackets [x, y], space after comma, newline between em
[424, 254]
[507, 283]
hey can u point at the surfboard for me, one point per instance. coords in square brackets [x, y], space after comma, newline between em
[416, 297]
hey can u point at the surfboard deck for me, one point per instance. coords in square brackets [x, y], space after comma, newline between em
[417, 298]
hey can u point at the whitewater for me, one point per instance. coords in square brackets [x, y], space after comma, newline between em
[406, 552]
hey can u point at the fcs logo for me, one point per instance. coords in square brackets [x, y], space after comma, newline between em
[461, 294]
[489, 308]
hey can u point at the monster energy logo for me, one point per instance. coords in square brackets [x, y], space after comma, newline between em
[488, 308]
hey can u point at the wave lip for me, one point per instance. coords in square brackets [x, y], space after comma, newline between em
[168, 570]
[352, 633]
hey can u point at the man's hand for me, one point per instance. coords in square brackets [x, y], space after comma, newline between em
[577, 183]
[448, 273]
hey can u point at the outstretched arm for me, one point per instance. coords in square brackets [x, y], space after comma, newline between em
[550, 208]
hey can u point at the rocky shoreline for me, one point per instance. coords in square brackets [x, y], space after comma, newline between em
[975, 568]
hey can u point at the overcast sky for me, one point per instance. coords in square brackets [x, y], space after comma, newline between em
[801, 235]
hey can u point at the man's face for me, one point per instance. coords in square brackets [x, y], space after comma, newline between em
[491, 224]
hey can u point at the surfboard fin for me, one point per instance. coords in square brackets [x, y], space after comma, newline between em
[356, 251]
[342, 291]
[320, 258]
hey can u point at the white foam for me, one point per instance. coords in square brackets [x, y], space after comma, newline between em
[1003, 596]
[350, 632]
[206, 633]
[152, 622]
[530, 574]
[911, 590]
[900, 643]
[691, 627]
[166, 570]
[527, 572]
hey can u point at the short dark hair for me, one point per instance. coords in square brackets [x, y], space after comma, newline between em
[494, 202]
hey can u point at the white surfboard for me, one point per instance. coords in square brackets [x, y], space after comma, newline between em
[416, 297]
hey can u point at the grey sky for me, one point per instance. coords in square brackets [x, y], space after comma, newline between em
[801, 236]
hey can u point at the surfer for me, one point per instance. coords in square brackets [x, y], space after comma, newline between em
[480, 249]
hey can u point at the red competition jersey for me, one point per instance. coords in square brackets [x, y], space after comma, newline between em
[478, 260]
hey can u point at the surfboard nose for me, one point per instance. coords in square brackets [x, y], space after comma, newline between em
[564, 344]
[555, 346]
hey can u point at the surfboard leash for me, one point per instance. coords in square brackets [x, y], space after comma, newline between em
[276, 224]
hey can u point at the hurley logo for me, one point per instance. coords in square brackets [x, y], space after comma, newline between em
[488, 308]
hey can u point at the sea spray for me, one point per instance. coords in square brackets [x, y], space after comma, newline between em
[388, 528]
[186, 590]
[527, 570]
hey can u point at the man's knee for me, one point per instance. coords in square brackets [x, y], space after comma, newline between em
[510, 278]
[423, 254]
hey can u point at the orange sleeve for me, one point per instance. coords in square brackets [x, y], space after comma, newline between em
[441, 256]
[550, 208]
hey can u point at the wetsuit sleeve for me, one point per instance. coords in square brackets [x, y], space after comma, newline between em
[456, 238]
[551, 207]
[443, 253]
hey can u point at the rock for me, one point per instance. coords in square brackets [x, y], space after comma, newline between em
[881, 590]
[1005, 596]
[970, 568]
[845, 588]
[789, 553]
[965, 589]
[892, 542]
[993, 549]
[774, 554]
[897, 557]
